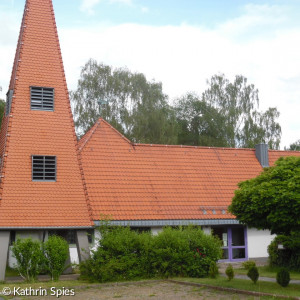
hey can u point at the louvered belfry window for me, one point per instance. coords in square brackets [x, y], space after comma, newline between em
[8, 101]
[43, 168]
[41, 98]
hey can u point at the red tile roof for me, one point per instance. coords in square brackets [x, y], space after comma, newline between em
[27, 132]
[159, 182]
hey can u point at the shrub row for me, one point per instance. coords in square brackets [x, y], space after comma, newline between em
[34, 257]
[124, 254]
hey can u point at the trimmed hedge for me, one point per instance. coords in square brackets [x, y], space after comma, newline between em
[289, 257]
[124, 254]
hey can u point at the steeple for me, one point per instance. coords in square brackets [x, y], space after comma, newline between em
[42, 184]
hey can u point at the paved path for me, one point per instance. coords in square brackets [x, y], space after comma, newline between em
[240, 276]
[75, 277]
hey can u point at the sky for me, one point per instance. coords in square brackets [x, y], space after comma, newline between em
[181, 43]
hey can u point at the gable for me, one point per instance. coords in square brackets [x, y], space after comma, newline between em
[129, 181]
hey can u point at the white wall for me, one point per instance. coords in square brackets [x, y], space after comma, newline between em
[156, 230]
[258, 242]
[206, 229]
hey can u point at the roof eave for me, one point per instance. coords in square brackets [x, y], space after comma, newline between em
[158, 223]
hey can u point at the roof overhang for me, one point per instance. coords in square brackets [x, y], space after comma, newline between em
[159, 223]
[46, 228]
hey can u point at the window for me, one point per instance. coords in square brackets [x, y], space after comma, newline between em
[12, 237]
[41, 98]
[43, 168]
[70, 235]
[8, 101]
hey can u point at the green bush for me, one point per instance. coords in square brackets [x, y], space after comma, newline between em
[283, 277]
[29, 256]
[229, 272]
[248, 264]
[253, 274]
[213, 270]
[289, 257]
[124, 254]
[56, 251]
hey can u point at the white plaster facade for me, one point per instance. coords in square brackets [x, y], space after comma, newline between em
[258, 242]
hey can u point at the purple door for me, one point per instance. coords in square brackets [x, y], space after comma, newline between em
[234, 241]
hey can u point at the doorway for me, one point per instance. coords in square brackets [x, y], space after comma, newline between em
[234, 242]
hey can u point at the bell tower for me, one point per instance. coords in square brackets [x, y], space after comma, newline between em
[42, 185]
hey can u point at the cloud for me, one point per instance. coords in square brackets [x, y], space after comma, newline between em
[256, 20]
[87, 6]
[183, 57]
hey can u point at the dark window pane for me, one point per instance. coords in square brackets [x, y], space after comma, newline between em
[221, 233]
[238, 238]
[238, 253]
[225, 254]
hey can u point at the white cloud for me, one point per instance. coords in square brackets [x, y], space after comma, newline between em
[87, 6]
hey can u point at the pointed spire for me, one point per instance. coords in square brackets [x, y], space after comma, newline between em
[28, 132]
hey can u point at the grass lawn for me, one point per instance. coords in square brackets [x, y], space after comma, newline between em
[266, 271]
[241, 284]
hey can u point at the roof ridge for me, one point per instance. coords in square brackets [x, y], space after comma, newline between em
[274, 150]
[189, 146]
[87, 136]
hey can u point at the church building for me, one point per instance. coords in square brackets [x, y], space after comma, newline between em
[53, 184]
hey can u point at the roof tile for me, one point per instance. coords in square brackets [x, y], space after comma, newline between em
[157, 182]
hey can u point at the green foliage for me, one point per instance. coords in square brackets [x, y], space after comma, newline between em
[253, 273]
[229, 272]
[199, 123]
[124, 254]
[29, 258]
[248, 264]
[184, 252]
[272, 199]
[213, 270]
[225, 115]
[283, 277]
[289, 256]
[134, 106]
[295, 146]
[56, 251]
[237, 102]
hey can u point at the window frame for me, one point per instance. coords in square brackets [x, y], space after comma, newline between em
[9, 97]
[44, 167]
[42, 107]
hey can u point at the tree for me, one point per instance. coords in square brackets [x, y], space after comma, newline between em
[272, 199]
[134, 106]
[238, 102]
[295, 146]
[199, 124]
